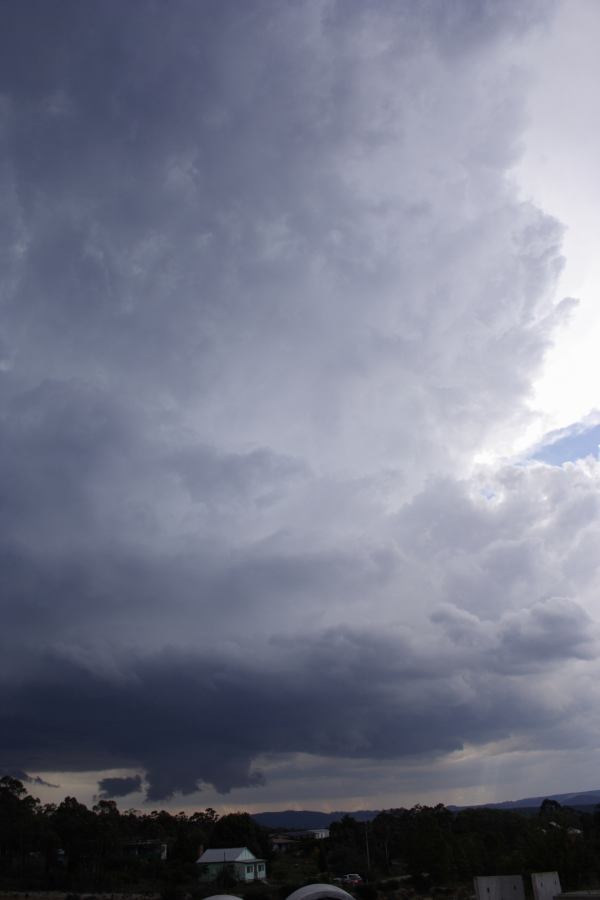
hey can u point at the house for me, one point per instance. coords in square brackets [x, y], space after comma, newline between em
[283, 843]
[237, 862]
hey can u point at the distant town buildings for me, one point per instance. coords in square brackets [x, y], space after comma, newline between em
[288, 840]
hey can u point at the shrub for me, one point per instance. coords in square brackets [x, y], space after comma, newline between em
[366, 892]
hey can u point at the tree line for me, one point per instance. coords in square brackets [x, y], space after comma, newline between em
[69, 847]
[438, 846]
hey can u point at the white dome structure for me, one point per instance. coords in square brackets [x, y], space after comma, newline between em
[222, 897]
[320, 891]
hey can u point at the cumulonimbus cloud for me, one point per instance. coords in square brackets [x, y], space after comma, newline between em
[267, 290]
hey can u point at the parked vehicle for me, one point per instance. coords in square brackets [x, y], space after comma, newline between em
[351, 878]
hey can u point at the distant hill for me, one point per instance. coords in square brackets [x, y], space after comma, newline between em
[306, 818]
[583, 798]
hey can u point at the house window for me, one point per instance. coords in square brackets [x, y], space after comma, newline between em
[261, 867]
[248, 870]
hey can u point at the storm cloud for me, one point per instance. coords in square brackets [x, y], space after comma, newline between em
[267, 291]
[119, 787]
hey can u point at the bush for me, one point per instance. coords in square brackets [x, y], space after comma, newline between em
[366, 892]
[286, 889]
[171, 892]
[226, 880]
[257, 892]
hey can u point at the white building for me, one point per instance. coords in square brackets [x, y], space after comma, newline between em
[238, 862]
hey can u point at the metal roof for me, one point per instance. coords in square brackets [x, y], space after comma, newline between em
[226, 854]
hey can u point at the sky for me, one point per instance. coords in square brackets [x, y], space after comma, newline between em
[299, 431]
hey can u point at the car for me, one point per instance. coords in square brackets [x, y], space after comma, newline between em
[351, 878]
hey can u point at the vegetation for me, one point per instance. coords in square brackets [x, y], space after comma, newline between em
[70, 848]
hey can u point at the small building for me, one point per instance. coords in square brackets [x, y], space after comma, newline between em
[152, 849]
[237, 862]
[319, 834]
[282, 843]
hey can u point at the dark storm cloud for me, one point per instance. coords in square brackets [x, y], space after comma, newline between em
[179, 192]
[26, 778]
[265, 290]
[119, 787]
[189, 719]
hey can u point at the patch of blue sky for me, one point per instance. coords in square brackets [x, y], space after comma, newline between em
[570, 444]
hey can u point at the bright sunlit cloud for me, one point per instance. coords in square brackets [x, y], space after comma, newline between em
[559, 171]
